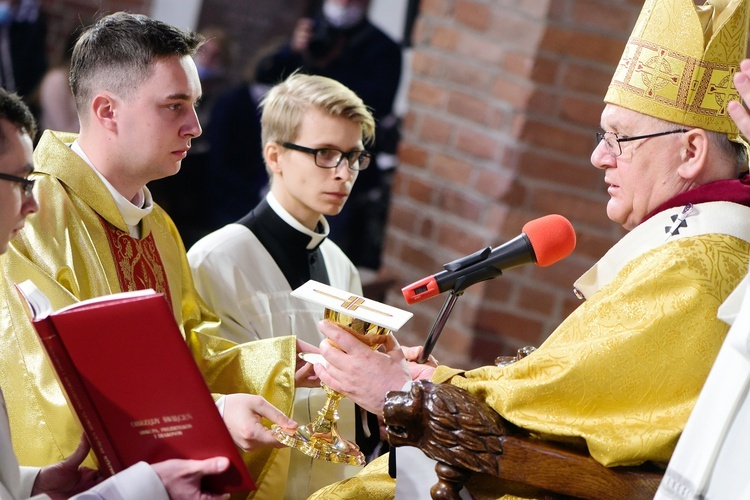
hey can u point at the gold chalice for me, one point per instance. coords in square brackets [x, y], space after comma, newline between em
[366, 320]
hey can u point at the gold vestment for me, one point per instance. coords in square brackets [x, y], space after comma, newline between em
[623, 371]
[65, 250]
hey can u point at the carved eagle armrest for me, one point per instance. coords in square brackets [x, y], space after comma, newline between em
[465, 435]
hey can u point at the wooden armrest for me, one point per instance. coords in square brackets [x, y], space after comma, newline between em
[465, 435]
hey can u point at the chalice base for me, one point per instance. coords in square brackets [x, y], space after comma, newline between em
[320, 440]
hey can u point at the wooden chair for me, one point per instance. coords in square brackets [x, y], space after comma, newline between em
[466, 436]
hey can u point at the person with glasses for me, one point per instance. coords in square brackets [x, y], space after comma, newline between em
[314, 133]
[621, 374]
[66, 479]
[98, 232]
[337, 39]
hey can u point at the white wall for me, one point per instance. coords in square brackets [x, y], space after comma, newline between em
[182, 14]
[390, 16]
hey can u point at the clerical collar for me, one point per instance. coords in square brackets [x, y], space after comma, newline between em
[733, 190]
[132, 211]
[316, 238]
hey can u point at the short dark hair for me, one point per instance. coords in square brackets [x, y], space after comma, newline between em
[14, 110]
[117, 52]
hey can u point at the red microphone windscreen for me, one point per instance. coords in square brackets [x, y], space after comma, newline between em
[552, 237]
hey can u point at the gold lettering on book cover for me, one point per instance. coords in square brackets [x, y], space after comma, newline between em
[137, 261]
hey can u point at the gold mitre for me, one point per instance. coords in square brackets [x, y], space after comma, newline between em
[680, 61]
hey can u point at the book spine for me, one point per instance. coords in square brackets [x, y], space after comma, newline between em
[78, 398]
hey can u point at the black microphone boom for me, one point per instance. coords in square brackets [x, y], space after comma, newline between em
[466, 271]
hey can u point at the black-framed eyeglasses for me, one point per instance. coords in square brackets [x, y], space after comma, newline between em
[27, 185]
[612, 141]
[331, 158]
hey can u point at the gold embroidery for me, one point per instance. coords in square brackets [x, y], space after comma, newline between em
[138, 263]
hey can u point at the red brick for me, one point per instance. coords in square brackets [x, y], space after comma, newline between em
[421, 92]
[535, 8]
[594, 245]
[417, 189]
[545, 69]
[436, 129]
[589, 210]
[437, 8]
[588, 46]
[493, 183]
[401, 217]
[458, 239]
[470, 107]
[475, 15]
[593, 81]
[473, 46]
[544, 102]
[537, 300]
[606, 16]
[516, 30]
[459, 204]
[561, 274]
[553, 136]
[477, 144]
[517, 325]
[515, 92]
[445, 37]
[412, 154]
[469, 73]
[497, 290]
[451, 169]
[419, 258]
[535, 164]
[426, 64]
[582, 111]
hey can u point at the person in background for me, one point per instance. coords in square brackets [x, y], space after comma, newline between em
[314, 132]
[98, 232]
[178, 193]
[163, 480]
[621, 374]
[341, 43]
[56, 103]
[236, 154]
[23, 55]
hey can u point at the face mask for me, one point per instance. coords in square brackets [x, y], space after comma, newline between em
[343, 16]
[6, 13]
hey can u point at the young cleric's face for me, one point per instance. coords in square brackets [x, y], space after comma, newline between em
[305, 190]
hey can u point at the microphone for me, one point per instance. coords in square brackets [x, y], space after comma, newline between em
[543, 241]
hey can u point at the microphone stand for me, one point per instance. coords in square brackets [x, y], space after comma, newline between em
[437, 327]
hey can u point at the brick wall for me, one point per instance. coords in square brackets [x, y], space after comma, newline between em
[503, 104]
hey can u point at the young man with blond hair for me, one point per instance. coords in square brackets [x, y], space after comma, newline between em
[314, 132]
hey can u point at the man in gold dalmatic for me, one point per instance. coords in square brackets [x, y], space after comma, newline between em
[98, 232]
[621, 374]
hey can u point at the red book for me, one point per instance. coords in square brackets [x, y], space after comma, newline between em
[133, 383]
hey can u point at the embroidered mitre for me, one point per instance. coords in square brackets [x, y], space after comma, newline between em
[680, 60]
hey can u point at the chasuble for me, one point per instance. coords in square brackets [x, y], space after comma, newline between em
[78, 247]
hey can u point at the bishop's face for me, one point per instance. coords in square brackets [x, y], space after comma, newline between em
[645, 175]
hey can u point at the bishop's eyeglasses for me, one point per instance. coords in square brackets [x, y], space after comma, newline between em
[612, 141]
[331, 158]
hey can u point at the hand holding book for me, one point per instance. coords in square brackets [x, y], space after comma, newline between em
[133, 384]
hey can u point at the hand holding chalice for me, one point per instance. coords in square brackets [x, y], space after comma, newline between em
[367, 320]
